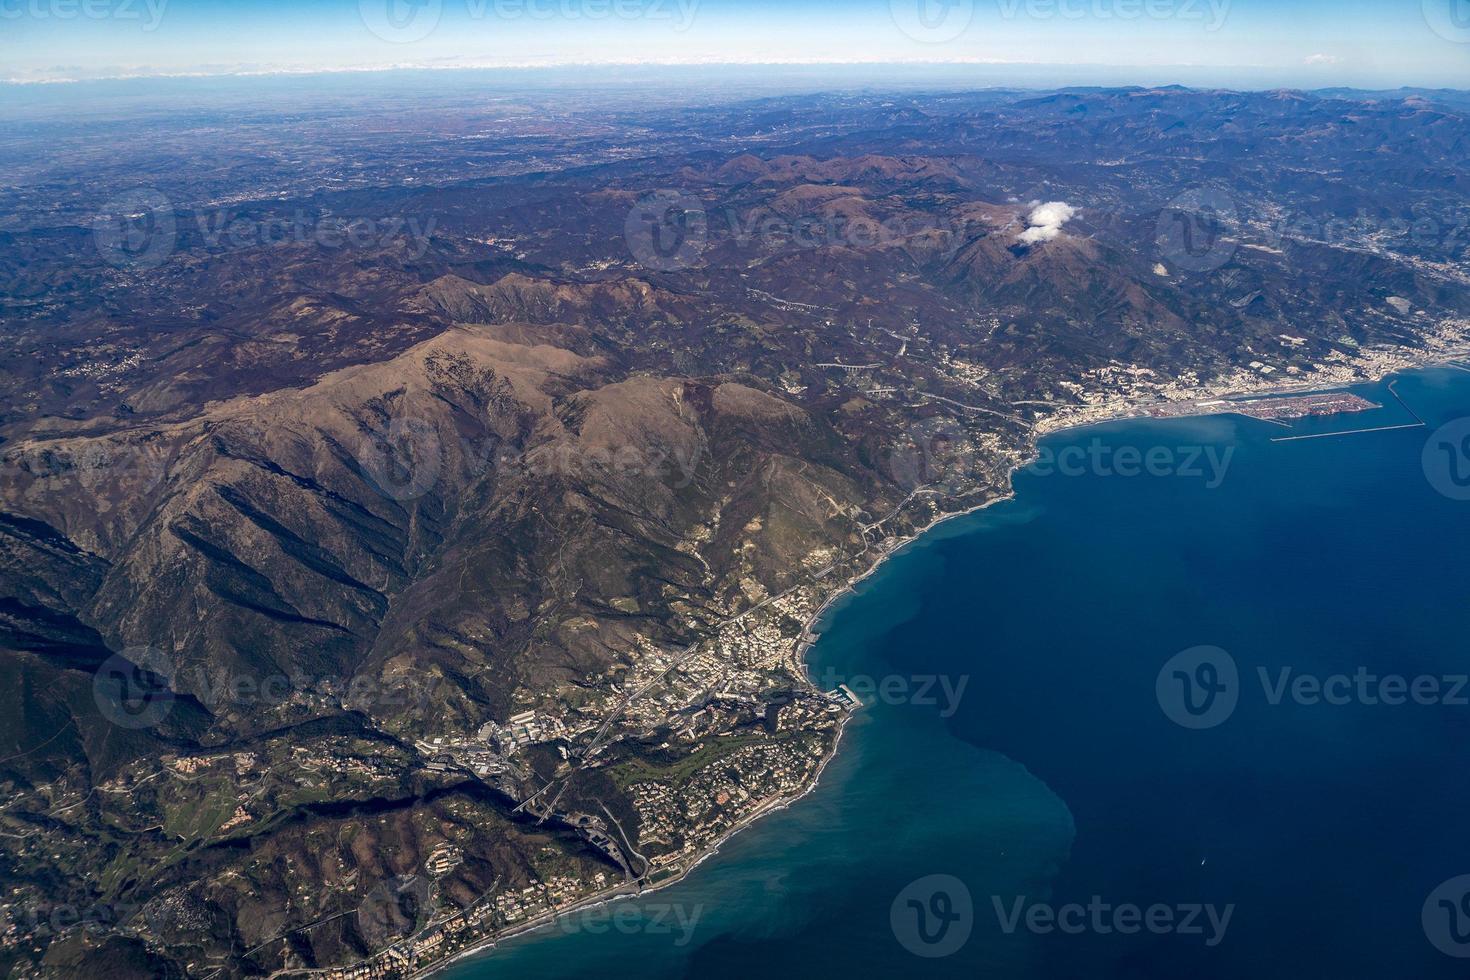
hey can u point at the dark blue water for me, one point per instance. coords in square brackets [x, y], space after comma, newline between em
[1059, 778]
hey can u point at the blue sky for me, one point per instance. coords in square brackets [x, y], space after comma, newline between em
[1257, 42]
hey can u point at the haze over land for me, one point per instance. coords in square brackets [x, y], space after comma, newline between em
[1242, 43]
[415, 493]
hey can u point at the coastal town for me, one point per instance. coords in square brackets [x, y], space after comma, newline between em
[728, 728]
[743, 732]
[376, 598]
[1120, 392]
[731, 727]
[736, 716]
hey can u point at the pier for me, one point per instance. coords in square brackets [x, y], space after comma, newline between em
[1418, 423]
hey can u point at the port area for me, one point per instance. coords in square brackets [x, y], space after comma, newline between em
[1271, 408]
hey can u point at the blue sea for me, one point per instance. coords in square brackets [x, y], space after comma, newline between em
[1196, 716]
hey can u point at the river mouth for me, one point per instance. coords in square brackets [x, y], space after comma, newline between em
[1020, 740]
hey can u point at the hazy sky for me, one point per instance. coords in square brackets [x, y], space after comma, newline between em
[1273, 42]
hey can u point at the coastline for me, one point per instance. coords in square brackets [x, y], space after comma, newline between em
[624, 891]
[811, 634]
[1120, 412]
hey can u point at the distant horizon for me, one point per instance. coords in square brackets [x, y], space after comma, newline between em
[904, 73]
[1236, 43]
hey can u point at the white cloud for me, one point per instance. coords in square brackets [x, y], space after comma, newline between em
[1320, 59]
[1045, 221]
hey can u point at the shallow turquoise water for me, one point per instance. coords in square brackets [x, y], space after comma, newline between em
[1059, 777]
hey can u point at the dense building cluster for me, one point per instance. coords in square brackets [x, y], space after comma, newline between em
[679, 823]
